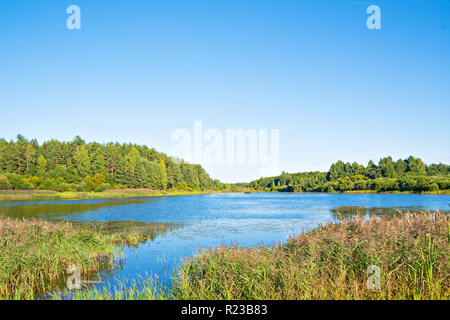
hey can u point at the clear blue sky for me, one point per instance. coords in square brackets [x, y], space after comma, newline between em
[137, 70]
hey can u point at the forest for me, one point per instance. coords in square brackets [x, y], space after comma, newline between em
[89, 167]
[96, 167]
[403, 175]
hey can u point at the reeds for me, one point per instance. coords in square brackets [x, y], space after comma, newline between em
[34, 255]
[330, 262]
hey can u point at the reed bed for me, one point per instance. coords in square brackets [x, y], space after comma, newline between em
[34, 255]
[330, 262]
[141, 289]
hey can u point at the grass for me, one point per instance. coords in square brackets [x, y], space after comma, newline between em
[35, 254]
[142, 289]
[46, 195]
[330, 263]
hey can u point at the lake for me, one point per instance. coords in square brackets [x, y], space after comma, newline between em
[181, 225]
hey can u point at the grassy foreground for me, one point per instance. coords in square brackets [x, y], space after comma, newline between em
[330, 262]
[35, 254]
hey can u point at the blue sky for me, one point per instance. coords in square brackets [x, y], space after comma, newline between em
[138, 70]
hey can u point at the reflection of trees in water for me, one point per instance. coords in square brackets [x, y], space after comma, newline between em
[343, 212]
[50, 210]
[148, 229]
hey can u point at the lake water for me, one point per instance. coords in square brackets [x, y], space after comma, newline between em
[184, 224]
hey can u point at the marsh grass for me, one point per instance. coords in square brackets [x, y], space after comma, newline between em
[144, 288]
[330, 262]
[35, 254]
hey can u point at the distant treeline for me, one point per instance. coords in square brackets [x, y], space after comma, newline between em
[402, 175]
[81, 166]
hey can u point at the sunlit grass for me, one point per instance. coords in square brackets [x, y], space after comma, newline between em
[141, 289]
[34, 255]
[330, 263]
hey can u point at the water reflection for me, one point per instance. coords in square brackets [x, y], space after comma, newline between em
[344, 212]
[148, 229]
[55, 209]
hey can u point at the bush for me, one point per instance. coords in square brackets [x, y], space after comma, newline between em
[64, 187]
[88, 184]
[18, 182]
[49, 184]
[116, 186]
[4, 183]
[103, 187]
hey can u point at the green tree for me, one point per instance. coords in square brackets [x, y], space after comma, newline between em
[164, 174]
[41, 166]
[4, 183]
[82, 161]
[30, 154]
[99, 179]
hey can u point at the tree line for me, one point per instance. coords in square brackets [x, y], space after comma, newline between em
[81, 166]
[409, 174]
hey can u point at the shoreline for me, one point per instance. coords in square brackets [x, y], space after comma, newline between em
[48, 195]
[442, 193]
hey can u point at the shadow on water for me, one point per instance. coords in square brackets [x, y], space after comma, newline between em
[149, 230]
[54, 210]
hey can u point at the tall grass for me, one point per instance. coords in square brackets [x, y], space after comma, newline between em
[330, 263]
[34, 255]
[142, 289]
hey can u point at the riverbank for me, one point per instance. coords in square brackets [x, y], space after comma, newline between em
[48, 195]
[330, 262]
[35, 254]
[440, 192]
[44, 195]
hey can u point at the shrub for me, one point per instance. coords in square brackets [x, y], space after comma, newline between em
[103, 187]
[4, 183]
[18, 182]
